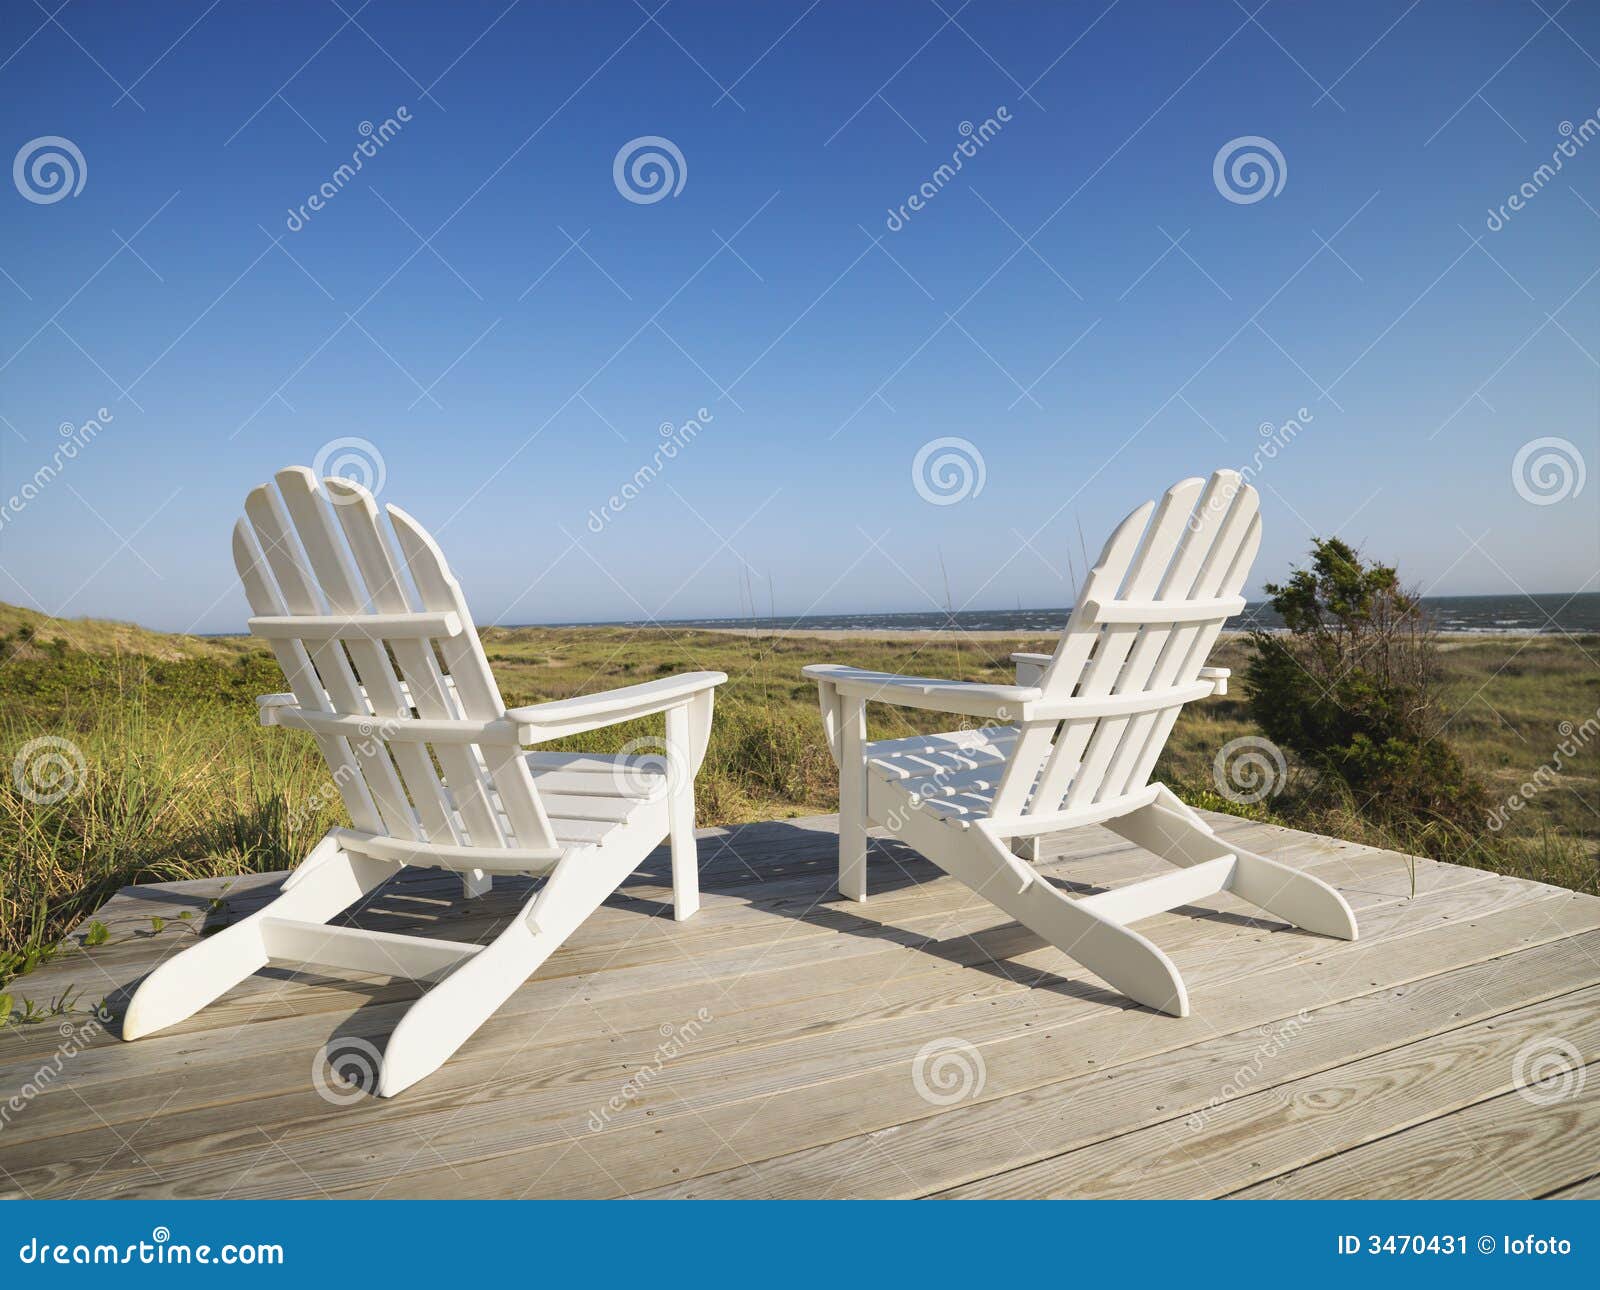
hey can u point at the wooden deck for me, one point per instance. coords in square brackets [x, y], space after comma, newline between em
[784, 1043]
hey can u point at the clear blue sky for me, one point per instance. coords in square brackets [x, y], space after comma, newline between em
[1090, 365]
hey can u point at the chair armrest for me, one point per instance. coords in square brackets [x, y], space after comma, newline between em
[968, 698]
[540, 721]
[1030, 667]
[1218, 676]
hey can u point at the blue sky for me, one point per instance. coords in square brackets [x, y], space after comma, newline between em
[1036, 307]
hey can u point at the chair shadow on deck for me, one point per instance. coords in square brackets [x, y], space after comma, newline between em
[898, 868]
[796, 864]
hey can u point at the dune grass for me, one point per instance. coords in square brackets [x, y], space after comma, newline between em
[176, 779]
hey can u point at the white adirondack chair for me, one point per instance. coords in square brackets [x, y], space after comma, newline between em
[1076, 741]
[388, 675]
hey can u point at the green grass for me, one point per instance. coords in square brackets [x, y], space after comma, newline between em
[178, 780]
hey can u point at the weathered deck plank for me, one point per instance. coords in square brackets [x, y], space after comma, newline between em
[801, 1082]
[1507, 1148]
[1322, 1115]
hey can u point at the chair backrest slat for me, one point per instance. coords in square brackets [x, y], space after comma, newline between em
[1191, 648]
[475, 687]
[1218, 498]
[320, 550]
[262, 593]
[1069, 765]
[1065, 667]
[1191, 549]
[265, 510]
[375, 557]
[1122, 658]
[311, 513]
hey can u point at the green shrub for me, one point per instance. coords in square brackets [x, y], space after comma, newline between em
[1352, 688]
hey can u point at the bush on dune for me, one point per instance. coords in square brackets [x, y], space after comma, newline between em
[1353, 689]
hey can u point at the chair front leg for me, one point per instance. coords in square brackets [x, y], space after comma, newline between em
[853, 798]
[680, 815]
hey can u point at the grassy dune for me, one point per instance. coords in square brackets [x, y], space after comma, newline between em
[178, 781]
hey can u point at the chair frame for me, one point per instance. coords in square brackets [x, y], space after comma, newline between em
[330, 595]
[1090, 721]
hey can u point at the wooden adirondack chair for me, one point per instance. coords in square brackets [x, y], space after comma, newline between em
[1077, 739]
[391, 680]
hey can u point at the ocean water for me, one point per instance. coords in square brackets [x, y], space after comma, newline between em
[1504, 615]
